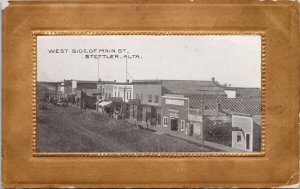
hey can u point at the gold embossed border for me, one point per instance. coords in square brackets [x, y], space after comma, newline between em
[147, 154]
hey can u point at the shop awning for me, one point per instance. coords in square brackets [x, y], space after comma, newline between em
[115, 99]
[104, 103]
[134, 101]
[96, 94]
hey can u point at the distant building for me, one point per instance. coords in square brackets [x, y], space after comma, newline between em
[71, 85]
[246, 133]
[78, 93]
[89, 98]
[47, 90]
[62, 88]
[106, 89]
[194, 125]
[145, 107]
[210, 88]
[179, 118]
[119, 94]
[123, 91]
[68, 90]
[231, 93]
[244, 92]
[243, 114]
[72, 90]
[84, 84]
[148, 94]
[250, 106]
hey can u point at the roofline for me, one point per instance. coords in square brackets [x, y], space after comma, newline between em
[174, 97]
[193, 97]
[120, 83]
[162, 80]
[83, 81]
[234, 88]
[187, 80]
[147, 82]
[106, 82]
[235, 114]
[56, 82]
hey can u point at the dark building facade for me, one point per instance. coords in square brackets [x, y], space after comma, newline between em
[145, 107]
[174, 112]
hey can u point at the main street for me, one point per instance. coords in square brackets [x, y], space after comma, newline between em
[71, 129]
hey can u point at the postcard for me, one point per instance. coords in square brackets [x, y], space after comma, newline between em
[150, 94]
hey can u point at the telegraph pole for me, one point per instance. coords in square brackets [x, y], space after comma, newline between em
[98, 70]
[202, 110]
[126, 69]
[124, 104]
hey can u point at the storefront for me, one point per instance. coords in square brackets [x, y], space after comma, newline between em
[174, 113]
[144, 115]
[195, 124]
[117, 107]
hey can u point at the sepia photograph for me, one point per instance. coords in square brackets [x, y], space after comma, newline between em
[148, 93]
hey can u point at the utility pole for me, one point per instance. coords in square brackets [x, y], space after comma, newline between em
[126, 68]
[124, 102]
[124, 105]
[202, 128]
[98, 71]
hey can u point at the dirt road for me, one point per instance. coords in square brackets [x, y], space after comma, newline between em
[70, 129]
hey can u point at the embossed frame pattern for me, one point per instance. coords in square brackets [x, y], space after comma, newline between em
[276, 165]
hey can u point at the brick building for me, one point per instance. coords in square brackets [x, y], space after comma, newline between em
[175, 112]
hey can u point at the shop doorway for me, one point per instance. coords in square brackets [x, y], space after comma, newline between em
[191, 129]
[153, 116]
[247, 141]
[174, 123]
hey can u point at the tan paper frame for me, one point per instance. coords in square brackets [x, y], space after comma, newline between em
[24, 167]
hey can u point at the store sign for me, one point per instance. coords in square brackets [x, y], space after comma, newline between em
[173, 113]
[175, 102]
[195, 117]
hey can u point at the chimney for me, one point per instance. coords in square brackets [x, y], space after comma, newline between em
[213, 79]
[115, 81]
[127, 81]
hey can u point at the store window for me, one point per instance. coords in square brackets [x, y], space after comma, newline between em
[186, 129]
[158, 119]
[247, 141]
[156, 98]
[165, 121]
[150, 98]
[239, 138]
[182, 124]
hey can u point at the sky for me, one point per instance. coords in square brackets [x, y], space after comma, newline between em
[230, 59]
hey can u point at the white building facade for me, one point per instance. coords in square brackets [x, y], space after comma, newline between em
[124, 91]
